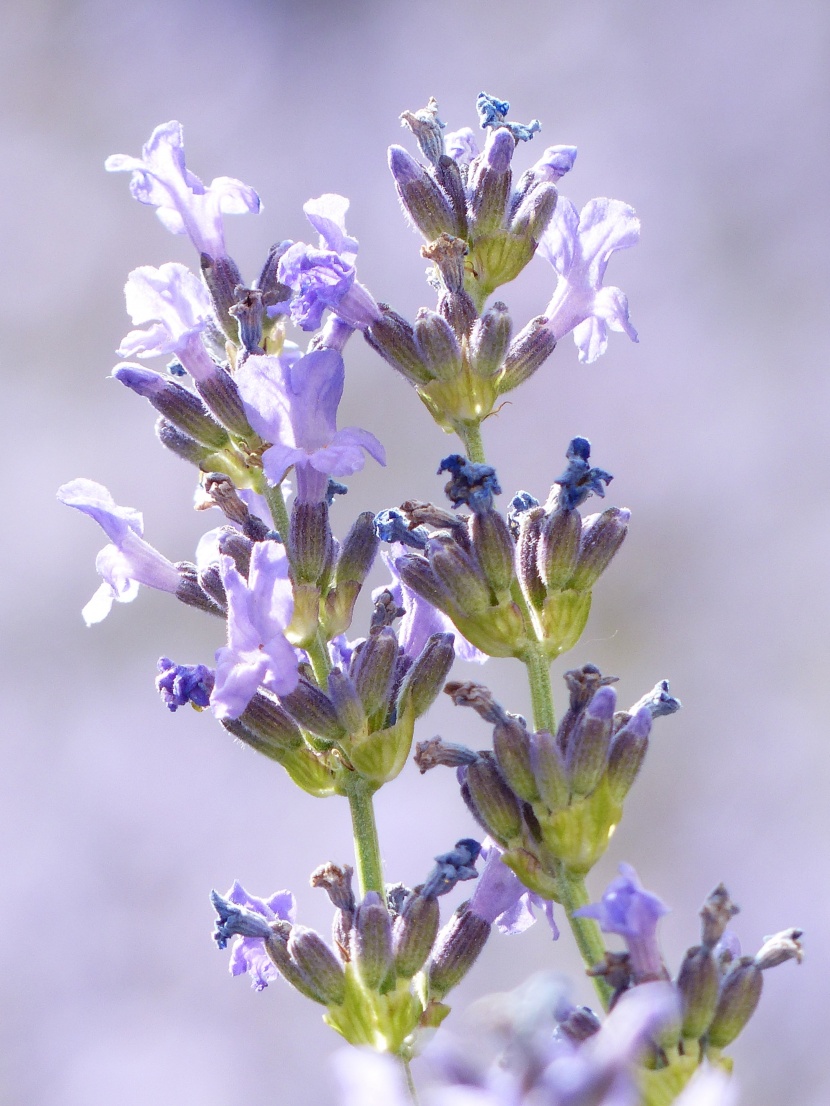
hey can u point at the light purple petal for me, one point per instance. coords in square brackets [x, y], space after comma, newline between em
[96, 501]
[502, 899]
[461, 145]
[170, 303]
[327, 214]
[248, 953]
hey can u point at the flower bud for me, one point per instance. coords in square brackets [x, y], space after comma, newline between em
[459, 574]
[587, 753]
[191, 593]
[549, 770]
[457, 949]
[174, 439]
[422, 199]
[222, 276]
[347, 703]
[715, 915]
[602, 536]
[437, 345]
[272, 725]
[417, 574]
[394, 339]
[310, 543]
[534, 212]
[448, 176]
[219, 391]
[371, 941]
[490, 339]
[558, 549]
[426, 677]
[698, 982]
[427, 128]
[373, 672]
[779, 948]
[414, 932]
[210, 581]
[490, 183]
[627, 753]
[511, 744]
[492, 801]
[459, 311]
[739, 995]
[527, 547]
[321, 970]
[494, 549]
[238, 547]
[175, 403]
[337, 883]
[531, 347]
[314, 711]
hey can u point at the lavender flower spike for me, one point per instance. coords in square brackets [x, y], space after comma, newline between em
[246, 919]
[579, 246]
[501, 898]
[294, 406]
[257, 653]
[128, 561]
[632, 912]
[173, 307]
[183, 204]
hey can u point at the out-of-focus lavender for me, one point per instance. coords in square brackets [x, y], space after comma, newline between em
[710, 122]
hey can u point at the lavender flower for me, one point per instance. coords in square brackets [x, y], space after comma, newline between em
[461, 145]
[632, 912]
[579, 246]
[248, 952]
[128, 561]
[257, 653]
[554, 163]
[180, 684]
[502, 899]
[294, 406]
[161, 179]
[324, 278]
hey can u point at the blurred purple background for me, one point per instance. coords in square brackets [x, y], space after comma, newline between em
[117, 818]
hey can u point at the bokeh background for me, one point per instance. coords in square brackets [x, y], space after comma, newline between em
[117, 817]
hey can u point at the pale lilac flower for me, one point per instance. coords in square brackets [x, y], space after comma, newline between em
[554, 163]
[461, 145]
[183, 204]
[502, 899]
[248, 952]
[128, 561]
[578, 245]
[257, 653]
[173, 308]
[294, 406]
[632, 912]
[420, 619]
[324, 278]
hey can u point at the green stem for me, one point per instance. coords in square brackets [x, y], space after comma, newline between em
[279, 512]
[541, 695]
[410, 1082]
[573, 894]
[366, 846]
[320, 663]
[470, 434]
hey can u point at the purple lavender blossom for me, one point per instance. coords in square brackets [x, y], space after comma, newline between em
[632, 912]
[128, 561]
[173, 308]
[180, 684]
[462, 145]
[579, 246]
[502, 899]
[294, 406]
[161, 179]
[420, 620]
[258, 652]
[554, 163]
[248, 953]
[324, 278]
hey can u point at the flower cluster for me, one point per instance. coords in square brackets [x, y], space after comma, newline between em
[248, 408]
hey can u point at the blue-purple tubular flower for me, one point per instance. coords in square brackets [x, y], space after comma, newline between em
[246, 919]
[471, 483]
[180, 684]
[294, 406]
[579, 480]
[257, 653]
[633, 913]
[128, 561]
[502, 899]
[451, 868]
[184, 205]
[324, 278]
[579, 245]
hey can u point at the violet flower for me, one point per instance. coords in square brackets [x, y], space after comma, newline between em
[324, 278]
[579, 246]
[173, 308]
[257, 653]
[248, 952]
[632, 912]
[183, 204]
[294, 406]
[125, 563]
[461, 145]
[502, 899]
[420, 619]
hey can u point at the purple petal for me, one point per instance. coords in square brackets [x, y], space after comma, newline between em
[171, 303]
[96, 501]
[327, 214]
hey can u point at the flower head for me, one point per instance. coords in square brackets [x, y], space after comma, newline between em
[628, 909]
[184, 205]
[294, 406]
[128, 560]
[257, 653]
[578, 245]
[246, 919]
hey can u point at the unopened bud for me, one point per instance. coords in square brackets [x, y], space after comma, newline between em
[424, 202]
[191, 593]
[417, 574]
[310, 542]
[457, 949]
[511, 744]
[448, 176]
[527, 548]
[490, 339]
[175, 403]
[531, 347]
[549, 770]
[588, 749]
[210, 581]
[394, 339]
[174, 439]
[321, 969]
[739, 995]
[373, 672]
[219, 391]
[628, 750]
[580, 1024]
[414, 933]
[494, 548]
[492, 800]
[698, 982]
[490, 183]
[602, 536]
[372, 941]
[347, 703]
[222, 276]
[314, 711]
[437, 345]
[236, 546]
[535, 212]
[558, 549]
[427, 675]
[459, 574]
